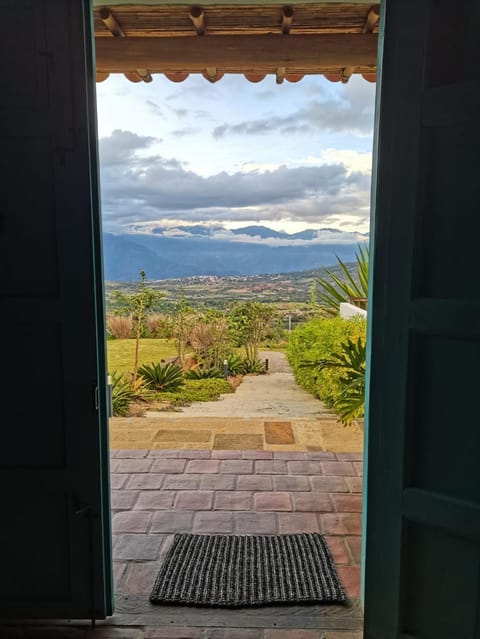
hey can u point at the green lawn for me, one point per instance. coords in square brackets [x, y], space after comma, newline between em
[121, 352]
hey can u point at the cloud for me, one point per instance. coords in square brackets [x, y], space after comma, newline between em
[350, 110]
[120, 147]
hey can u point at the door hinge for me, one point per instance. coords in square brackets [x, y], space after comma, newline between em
[97, 404]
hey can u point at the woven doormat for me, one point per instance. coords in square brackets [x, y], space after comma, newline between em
[234, 571]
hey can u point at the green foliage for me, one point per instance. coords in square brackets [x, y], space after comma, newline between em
[254, 366]
[351, 361]
[166, 377]
[197, 390]
[234, 365]
[250, 322]
[124, 392]
[315, 341]
[204, 373]
[331, 290]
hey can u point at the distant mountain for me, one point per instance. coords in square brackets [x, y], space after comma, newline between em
[165, 256]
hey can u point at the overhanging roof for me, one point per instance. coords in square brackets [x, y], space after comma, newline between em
[334, 39]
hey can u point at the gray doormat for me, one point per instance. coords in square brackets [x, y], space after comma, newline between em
[249, 570]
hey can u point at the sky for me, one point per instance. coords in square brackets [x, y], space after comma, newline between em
[231, 154]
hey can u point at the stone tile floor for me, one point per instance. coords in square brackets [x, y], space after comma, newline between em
[156, 493]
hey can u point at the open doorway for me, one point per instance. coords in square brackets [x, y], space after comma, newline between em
[308, 487]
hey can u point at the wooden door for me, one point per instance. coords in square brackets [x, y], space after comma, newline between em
[422, 577]
[54, 494]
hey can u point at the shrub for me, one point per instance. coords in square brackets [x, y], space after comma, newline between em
[317, 340]
[254, 366]
[167, 377]
[124, 392]
[203, 373]
[197, 390]
[119, 326]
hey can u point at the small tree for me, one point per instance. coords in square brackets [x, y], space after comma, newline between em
[183, 320]
[250, 322]
[138, 305]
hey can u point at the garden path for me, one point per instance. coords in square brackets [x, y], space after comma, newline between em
[275, 394]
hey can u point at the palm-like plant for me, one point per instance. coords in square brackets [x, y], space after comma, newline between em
[350, 404]
[332, 289]
[161, 378]
[203, 373]
[125, 391]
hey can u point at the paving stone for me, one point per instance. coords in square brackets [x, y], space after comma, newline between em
[272, 501]
[182, 436]
[181, 482]
[297, 523]
[320, 455]
[217, 482]
[339, 468]
[349, 456]
[137, 547]
[134, 465]
[233, 500]
[213, 522]
[167, 521]
[257, 454]
[168, 466]
[113, 465]
[155, 500]
[131, 521]
[118, 572]
[279, 433]
[348, 503]
[290, 455]
[123, 499]
[341, 523]
[164, 452]
[255, 523]
[291, 483]
[312, 502]
[350, 577]
[292, 633]
[354, 545]
[271, 467]
[131, 454]
[334, 634]
[329, 484]
[146, 481]
[203, 466]
[355, 484]
[173, 633]
[305, 468]
[140, 577]
[254, 482]
[236, 466]
[118, 481]
[227, 454]
[237, 441]
[338, 549]
[194, 500]
[358, 467]
[233, 633]
[194, 454]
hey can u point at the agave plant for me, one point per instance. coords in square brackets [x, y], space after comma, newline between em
[203, 373]
[332, 289]
[350, 404]
[234, 365]
[124, 392]
[167, 377]
[255, 366]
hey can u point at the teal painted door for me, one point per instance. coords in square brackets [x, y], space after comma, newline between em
[54, 494]
[422, 576]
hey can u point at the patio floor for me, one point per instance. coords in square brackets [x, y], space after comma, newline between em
[156, 493]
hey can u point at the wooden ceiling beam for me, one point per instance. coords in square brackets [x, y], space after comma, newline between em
[237, 53]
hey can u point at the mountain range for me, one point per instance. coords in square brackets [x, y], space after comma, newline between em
[186, 251]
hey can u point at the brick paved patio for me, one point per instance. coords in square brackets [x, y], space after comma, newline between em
[156, 493]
